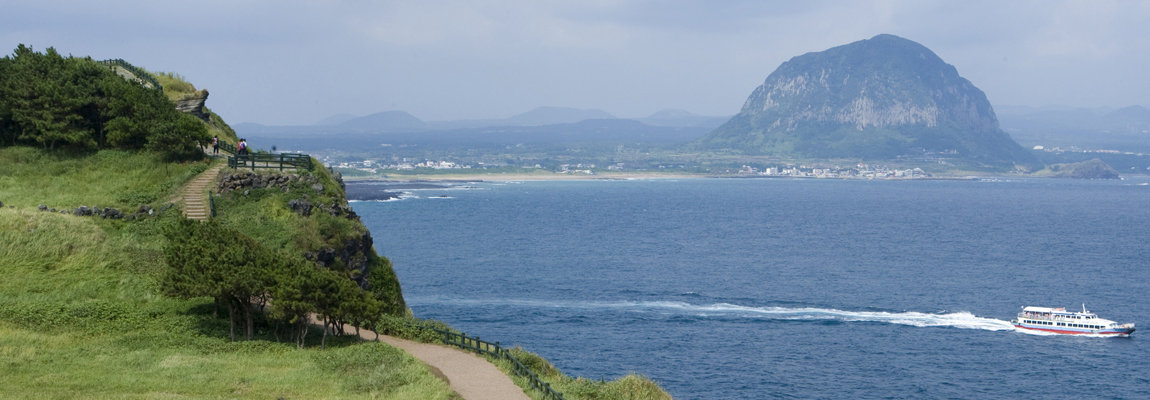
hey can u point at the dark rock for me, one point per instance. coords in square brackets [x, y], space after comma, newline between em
[317, 188]
[1, 204]
[325, 257]
[42, 207]
[83, 211]
[52, 209]
[353, 255]
[301, 207]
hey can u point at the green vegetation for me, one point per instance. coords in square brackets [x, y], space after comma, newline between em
[82, 314]
[629, 387]
[150, 307]
[263, 215]
[50, 101]
[83, 310]
[175, 85]
[32, 176]
[209, 260]
[1089, 169]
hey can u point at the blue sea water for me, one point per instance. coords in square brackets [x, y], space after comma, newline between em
[780, 288]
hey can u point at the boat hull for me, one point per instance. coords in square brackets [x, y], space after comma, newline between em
[1117, 332]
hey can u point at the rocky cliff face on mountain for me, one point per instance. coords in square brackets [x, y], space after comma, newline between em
[876, 98]
[194, 104]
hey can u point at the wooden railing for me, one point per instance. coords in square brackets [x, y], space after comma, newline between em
[228, 147]
[140, 74]
[270, 161]
[495, 350]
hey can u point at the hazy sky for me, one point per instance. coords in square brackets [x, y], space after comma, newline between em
[286, 62]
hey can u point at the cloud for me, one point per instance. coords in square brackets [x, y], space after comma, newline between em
[296, 62]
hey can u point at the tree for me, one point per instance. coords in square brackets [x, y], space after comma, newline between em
[52, 101]
[207, 259]
[210, 260]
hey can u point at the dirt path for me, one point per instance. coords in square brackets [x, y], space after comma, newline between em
[471, 376]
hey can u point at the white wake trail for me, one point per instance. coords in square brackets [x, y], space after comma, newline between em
[964, 320]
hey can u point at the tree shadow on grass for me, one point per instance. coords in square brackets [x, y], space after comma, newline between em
[212, 322]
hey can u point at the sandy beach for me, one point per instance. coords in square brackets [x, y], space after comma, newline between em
[548, 176]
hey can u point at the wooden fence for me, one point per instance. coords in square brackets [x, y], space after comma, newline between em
[140, 74]
[228, 147]
[270, 161]
[495, 350]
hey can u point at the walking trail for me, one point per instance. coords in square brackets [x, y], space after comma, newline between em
[195, 194]
[471, 376]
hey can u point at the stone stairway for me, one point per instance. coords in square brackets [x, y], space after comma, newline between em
[195, 194]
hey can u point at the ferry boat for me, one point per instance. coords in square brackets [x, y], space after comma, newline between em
[1058, 320]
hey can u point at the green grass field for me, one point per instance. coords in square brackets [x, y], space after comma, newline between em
[82, 314]
[108, 178]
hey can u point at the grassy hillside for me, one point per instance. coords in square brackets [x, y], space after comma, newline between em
[145, 306]
[82, 313]
[108, 178]
[177, 87]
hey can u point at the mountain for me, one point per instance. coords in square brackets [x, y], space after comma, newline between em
[875, 98]
[600, 131]
[557, 115]
[1105, 128]
[1133, 119]
[385, 121]
[681, 118]
[335, 119]
[1090, 169]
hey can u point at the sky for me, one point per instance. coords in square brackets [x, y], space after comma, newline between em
[297, 62]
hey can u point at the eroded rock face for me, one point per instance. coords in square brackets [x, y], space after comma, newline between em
[194, 104]
[353, 255]
[300, 206]
[881, 97]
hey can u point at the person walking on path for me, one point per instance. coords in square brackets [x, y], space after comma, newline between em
[215, 145]
[242, 149]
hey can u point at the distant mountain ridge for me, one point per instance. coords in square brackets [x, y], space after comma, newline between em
[395, 121]
[335, 119]
[875, 98]
[682, 118]
[385, 121]
[1127, 120]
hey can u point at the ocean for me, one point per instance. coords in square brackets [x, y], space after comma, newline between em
[788, 288]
